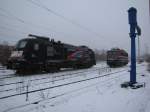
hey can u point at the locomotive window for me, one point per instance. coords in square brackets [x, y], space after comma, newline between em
[36, 47]
[21, 44]
[50, 51]
[111, 53]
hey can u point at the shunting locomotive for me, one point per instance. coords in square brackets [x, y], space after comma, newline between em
[117, 57]
[44, 54]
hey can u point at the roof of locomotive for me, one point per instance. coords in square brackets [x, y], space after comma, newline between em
[117, 50]
[46, 40]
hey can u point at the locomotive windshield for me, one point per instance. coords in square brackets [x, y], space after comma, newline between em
[115, 54]
[21, 44]
[111, 53]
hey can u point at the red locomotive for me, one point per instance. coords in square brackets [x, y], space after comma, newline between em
[117, 57]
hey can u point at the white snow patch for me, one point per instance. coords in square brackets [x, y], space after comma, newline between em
[97, 95]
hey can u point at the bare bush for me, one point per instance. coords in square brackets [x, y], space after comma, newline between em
[147, 58]
[5, 51]
[100, 55]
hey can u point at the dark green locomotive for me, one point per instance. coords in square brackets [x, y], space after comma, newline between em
[41, 53]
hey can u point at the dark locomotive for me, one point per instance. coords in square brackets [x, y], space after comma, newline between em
[117, 57]
[41, 53]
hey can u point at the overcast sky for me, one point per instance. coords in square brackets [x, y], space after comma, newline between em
[100, 24]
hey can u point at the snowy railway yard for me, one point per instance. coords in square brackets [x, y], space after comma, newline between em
[96, 89]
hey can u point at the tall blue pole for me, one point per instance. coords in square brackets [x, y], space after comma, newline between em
[133, 25]
[133, 58]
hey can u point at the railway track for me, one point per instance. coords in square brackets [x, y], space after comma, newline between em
[54, 75]
[3, 77]
[51, 87]
[103, 83]
[55, 78]
[61, 85]
[2, 68]
[69, 92]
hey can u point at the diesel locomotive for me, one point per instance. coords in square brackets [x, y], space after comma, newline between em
[44, 54]
[117, 57]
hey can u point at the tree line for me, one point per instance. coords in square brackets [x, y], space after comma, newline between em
[100, 55]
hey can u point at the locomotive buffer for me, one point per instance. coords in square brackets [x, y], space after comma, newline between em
[133, 28]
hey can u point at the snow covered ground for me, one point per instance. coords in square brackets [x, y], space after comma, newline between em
[99, 94]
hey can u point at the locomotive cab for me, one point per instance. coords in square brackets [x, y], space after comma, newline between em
[17, 56]
[19, 49]
[27, 52]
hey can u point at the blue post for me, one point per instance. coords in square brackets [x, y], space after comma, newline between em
[133, 24]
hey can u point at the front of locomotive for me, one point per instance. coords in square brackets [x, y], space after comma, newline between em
[117, 57]
[112, 57]
[17, 59]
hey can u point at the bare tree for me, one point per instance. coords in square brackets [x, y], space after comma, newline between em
[100, 55]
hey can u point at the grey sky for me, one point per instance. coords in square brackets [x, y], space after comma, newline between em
[106, 19]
